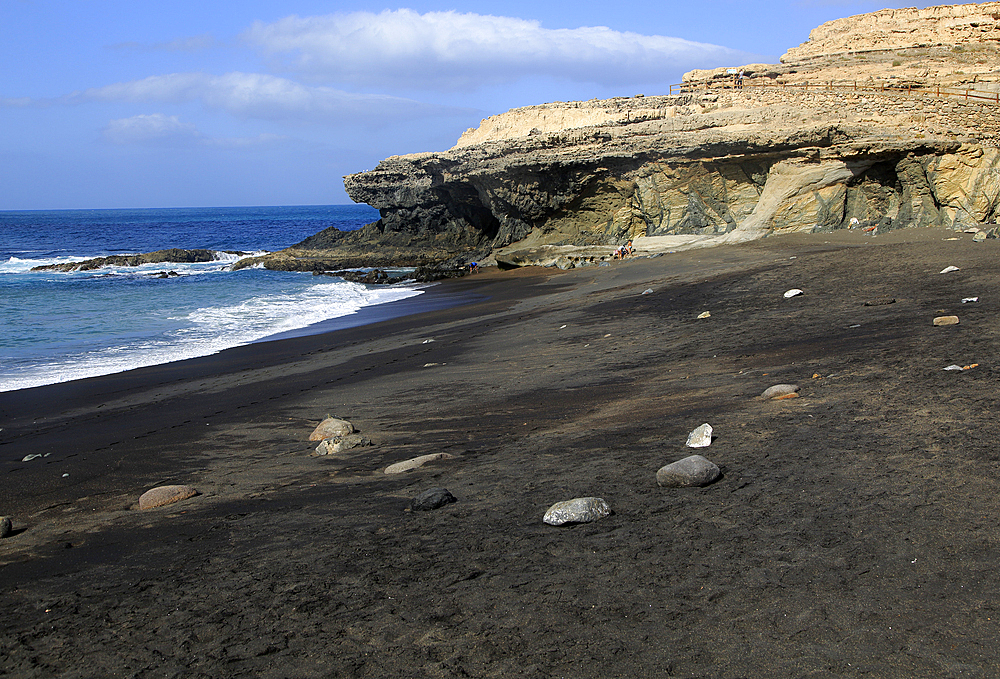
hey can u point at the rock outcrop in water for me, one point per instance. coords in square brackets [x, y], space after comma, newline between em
[859, 127]
[169, 256]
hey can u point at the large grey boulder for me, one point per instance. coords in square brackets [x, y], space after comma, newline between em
[577, 510]
[691, 471]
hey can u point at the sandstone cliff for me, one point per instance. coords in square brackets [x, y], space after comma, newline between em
[564, 182]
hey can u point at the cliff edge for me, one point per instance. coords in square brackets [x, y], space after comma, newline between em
[862, 126]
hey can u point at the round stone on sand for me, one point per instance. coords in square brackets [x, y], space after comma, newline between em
[701, 437]
[331, 427]
[6, 526]
[794, 292]
[779, 391]
[577, 510]
[946, 320]
[691, 471]
[415, 462]
[165, 495]
[432, 499]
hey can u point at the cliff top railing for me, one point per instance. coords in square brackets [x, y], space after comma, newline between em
[852, 86]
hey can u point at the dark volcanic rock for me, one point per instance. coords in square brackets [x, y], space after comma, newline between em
[432, 499]
[172, 255]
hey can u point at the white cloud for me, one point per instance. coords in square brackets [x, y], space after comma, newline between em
[154, 129]
[453, 51]
[158, 129]
[254, 95]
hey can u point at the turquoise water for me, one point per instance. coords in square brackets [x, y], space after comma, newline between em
[64, 326]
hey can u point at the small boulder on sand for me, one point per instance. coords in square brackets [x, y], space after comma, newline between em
[432, 499]
[780, 391]
[413, 463]
[946, 320]
[577, 510]
[165, 495]
[701, 437]
[6, 526]
[331, 427]
[691, 471]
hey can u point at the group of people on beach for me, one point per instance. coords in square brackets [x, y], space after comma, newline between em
[623, 251]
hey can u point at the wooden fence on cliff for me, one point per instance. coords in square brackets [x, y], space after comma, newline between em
[850, 86]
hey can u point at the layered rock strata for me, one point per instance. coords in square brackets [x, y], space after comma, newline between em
[562, 183]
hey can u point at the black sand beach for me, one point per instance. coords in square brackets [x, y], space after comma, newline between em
[853, 532]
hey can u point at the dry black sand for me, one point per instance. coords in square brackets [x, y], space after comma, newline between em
[854, 532]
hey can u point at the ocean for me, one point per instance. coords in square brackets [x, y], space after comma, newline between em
[56, 327]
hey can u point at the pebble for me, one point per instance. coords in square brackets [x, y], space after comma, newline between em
[648, 291]
[432, 499]
[946, 320]
[165, 495]
[331, 427]
[966, 300]
[691, 471]
[577, 510]
[338, 444]
[6, 526]
[705, 314]
[413, 463]
[979, 237]
[794, 292]
[949, 269]
[701, 437]
[780, 390]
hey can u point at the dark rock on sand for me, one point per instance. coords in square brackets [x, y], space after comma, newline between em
[691, 471]
[422, 274]
[331, 427]
[165, 495]
[880, 301]
[6, 526]
[433, 498]
[577, 510]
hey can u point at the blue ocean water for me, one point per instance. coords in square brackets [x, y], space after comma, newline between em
[63, 326]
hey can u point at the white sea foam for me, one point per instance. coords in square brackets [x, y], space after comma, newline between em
[208, 330]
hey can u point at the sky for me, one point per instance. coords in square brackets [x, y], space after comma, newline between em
[113, 103]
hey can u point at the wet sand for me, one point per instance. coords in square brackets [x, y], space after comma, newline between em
[853, 532]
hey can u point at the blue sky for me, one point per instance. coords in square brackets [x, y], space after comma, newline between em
[108, 103]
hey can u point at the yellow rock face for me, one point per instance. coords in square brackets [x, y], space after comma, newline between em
[966, 184]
